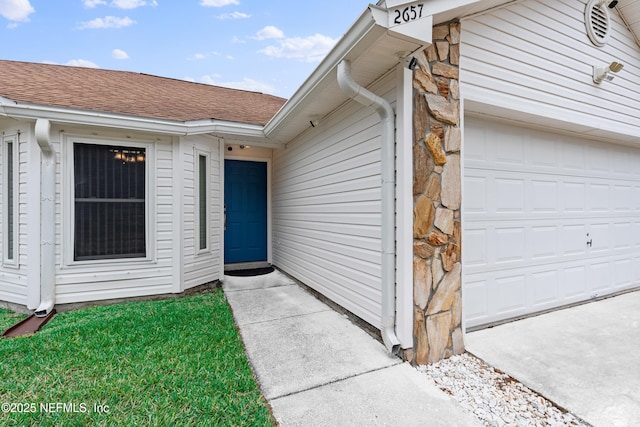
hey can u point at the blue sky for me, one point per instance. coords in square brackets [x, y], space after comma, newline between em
[268, 46]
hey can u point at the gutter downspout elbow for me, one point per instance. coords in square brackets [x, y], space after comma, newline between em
[387, 117]
[47, 218]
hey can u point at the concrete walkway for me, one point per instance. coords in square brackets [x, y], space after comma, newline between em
[586, 358]
[316, 368]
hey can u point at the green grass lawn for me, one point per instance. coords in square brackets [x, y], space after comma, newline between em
[9, 318]
[177, 362]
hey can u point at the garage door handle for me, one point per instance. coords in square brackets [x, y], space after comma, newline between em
[589, 242]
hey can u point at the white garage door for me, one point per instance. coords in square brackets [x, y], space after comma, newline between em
[548, 220]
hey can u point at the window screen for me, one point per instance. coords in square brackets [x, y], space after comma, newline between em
[110, 202]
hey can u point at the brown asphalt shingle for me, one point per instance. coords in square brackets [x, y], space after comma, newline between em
[129, 93]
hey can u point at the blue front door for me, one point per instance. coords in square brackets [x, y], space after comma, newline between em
[245, 198]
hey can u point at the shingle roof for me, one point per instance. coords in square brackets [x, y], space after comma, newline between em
[129, 93]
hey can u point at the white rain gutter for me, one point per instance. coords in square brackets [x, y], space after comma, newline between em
[387, 117]
[47, 218]
[134, 123]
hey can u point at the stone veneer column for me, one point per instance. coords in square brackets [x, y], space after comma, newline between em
[437, 197]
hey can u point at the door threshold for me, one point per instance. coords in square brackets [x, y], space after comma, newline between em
[246, 265]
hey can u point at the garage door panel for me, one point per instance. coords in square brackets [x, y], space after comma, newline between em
[475, 244]
[530, 212]
[622, 235]
[599, 278]
[477, 151]
[622, 195]
[544, 197]
[598, 196]
[573, 283]
[623, 273]
[544, 289]
[510, 149]
[543, 152]
[509, 195]
[544, 242]
[573, 157]
[509, 295]
[573, 197]
[620, 158]
[510, 244]
[599, 160]
[599, 237]
[573, 238]
[475, 301]
[636, 234]
[476, 195]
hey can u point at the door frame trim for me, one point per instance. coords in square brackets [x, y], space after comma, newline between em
[269, 213]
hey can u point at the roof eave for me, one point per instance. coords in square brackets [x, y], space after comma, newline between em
[221, 128]
[363, 26]
[369, 28]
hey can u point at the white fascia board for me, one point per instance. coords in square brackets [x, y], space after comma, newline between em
[434, 6]
[133, 123]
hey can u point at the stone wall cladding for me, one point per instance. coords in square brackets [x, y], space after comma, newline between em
[437, 198]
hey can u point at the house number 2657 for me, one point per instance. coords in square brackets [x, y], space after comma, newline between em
[408, 14]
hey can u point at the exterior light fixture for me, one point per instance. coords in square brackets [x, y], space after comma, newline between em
[606, 73]
[315, 120]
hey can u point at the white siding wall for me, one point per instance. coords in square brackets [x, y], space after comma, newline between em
[13, 277]
[200, 266]
[535, 57]
[88, 281]
[326, 207]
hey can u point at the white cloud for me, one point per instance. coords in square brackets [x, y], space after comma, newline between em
[16, 10]
[119, 54]
[81, 63]
[218, 3]
[120, 4]
[244, 84]
[234, 15]
[200, 56]
[269, 32]
[90, 4]
[308, 49]
[107, 22]
[132, 4]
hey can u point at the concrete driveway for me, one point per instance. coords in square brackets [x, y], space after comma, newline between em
[585, 359]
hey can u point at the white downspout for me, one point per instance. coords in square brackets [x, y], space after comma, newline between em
[387, 118]
[47, 218]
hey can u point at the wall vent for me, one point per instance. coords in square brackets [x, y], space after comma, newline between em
[598, 22]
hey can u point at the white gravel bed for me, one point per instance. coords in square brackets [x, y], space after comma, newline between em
[494, 397]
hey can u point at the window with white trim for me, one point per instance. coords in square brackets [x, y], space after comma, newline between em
[110, 215]
[9, 199]
[203, 201]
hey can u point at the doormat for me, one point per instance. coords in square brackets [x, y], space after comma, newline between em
[250, 272]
